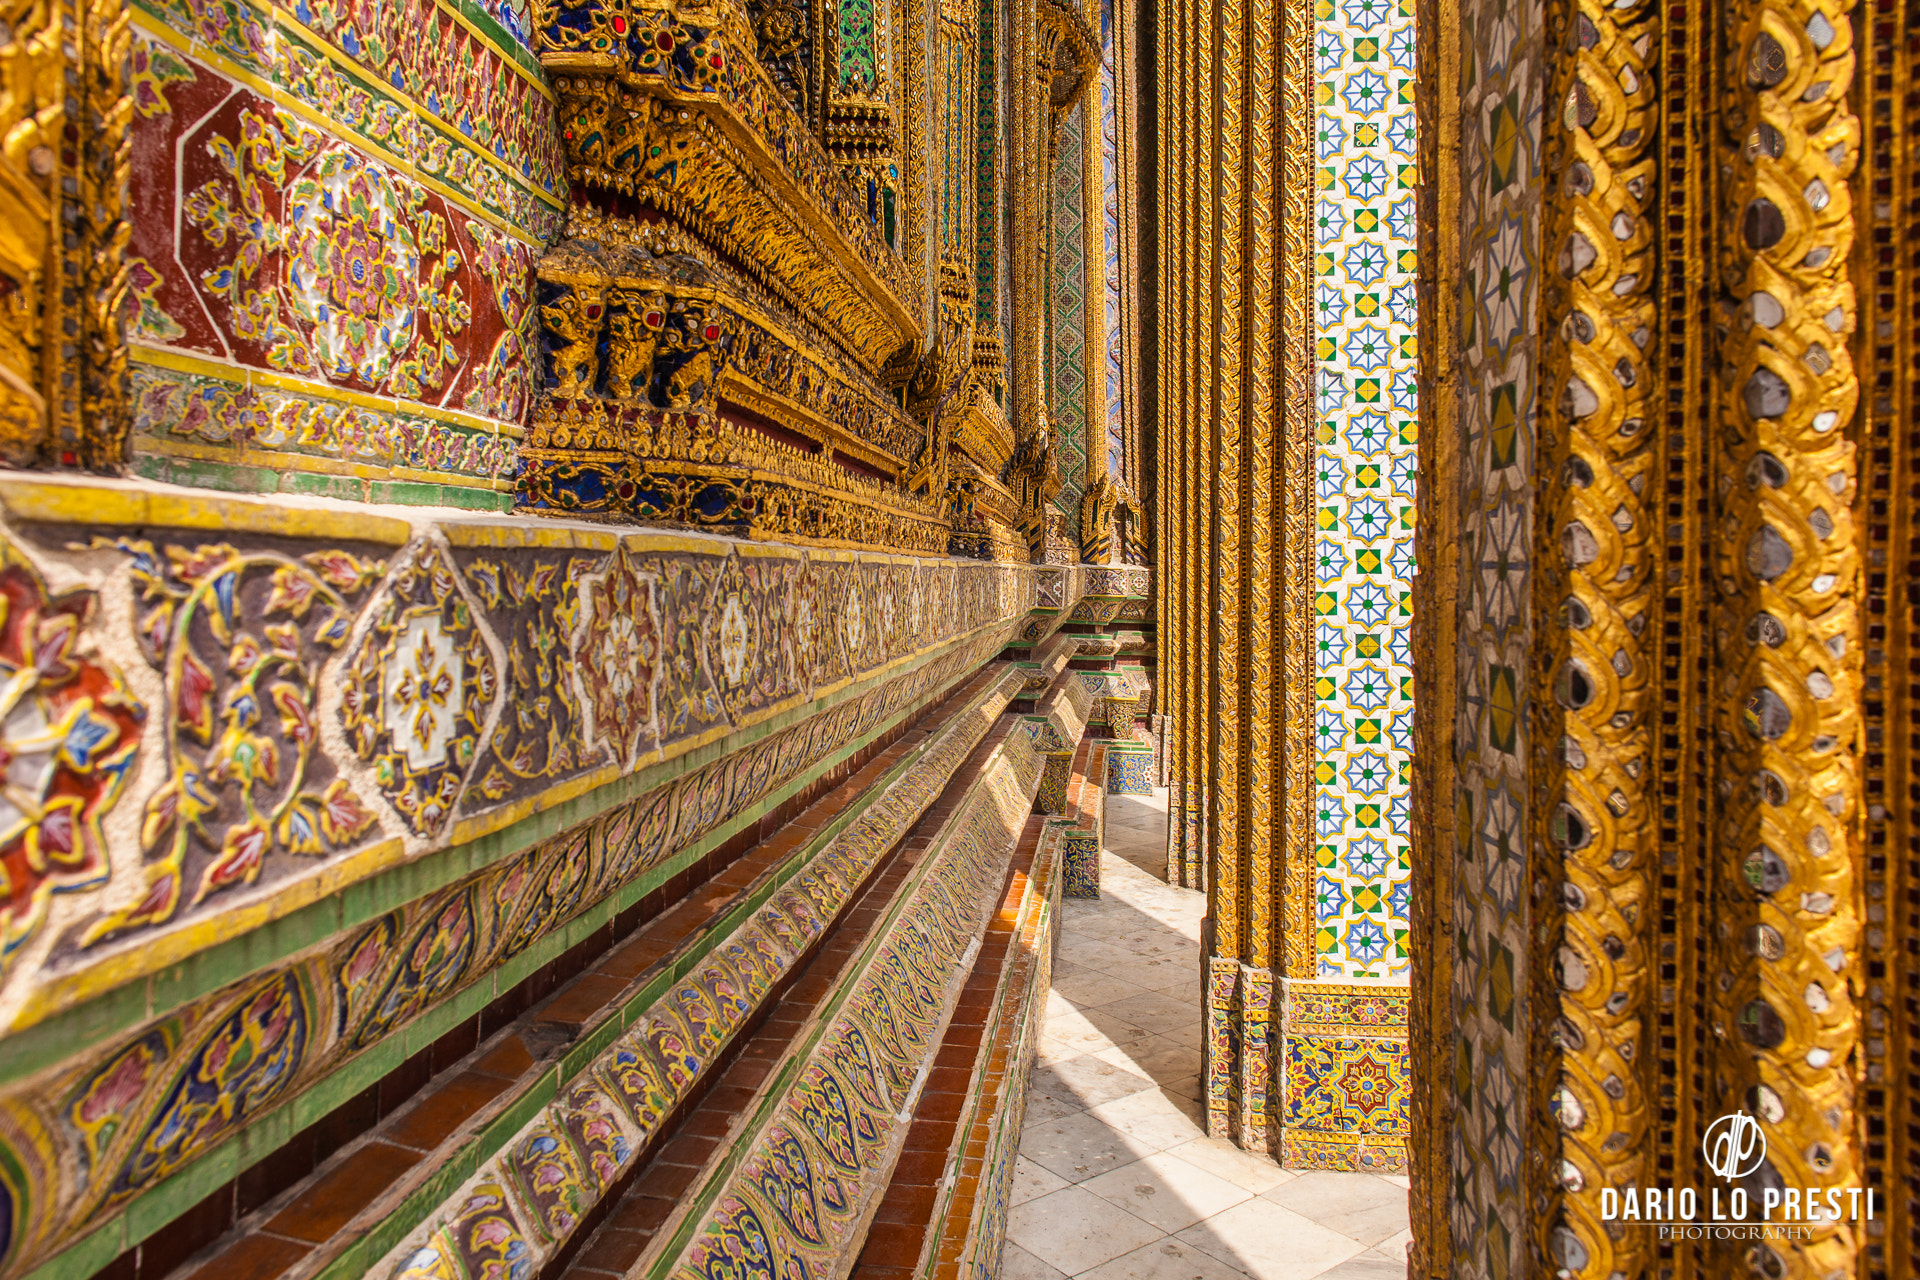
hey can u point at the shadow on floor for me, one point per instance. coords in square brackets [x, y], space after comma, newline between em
[1117, 1179]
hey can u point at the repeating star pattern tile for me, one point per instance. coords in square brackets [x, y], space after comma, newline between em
[1365, 317]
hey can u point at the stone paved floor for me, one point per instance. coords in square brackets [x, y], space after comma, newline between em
[1116, 1179]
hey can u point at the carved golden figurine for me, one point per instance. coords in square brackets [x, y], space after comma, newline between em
[635, 319]
[572, 321]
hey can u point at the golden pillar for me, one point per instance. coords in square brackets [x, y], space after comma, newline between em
[1236, 529]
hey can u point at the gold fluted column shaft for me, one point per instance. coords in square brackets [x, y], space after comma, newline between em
[1595, 543]
[1786, 623]
[1237, 418]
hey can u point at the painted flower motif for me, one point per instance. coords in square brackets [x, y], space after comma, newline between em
[1330, 136]
[1329, 560]
[1366, 14]
[1330, 813]
[1329, 50]
[1368, 857]
[1403, 134]
[1329, 306]
[617, 655]
[733, 640]
[1367, 773]
[1329, 221]
[1504, 295]
[1329, 730]
[1365, 93]
[356, 271]
[1400, 647]
[1366, 942]
[1329, 899]
[1366, 178]
[1329, 645]
[1400, 222]
[1400, 731]
[1368, 434]
[1368, 519]
[1365, 262]
[1332, 393]
[1399, 813]
[1403, 474]
[1497, 1105]
[1368, 688]
[1406, 392]
[1403, 304]
[1369, 604]
[1400, 559]
[1400, 48]
[1330, 477]
[1368, 348]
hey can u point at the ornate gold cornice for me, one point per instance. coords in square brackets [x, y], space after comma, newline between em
[668, 105]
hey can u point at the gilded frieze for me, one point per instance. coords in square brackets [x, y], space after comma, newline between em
[673, 110]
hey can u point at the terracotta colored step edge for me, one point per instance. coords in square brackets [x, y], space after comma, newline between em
[412, 1223]
[676, 1235]
[980, 1161]
[829, 972]
[499, 1117]
[905, 1212]
[754, 1053]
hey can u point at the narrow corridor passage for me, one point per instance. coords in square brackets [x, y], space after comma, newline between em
[1117, 1180]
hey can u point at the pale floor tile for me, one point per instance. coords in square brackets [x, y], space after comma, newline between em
[1087, 989]
[1042, 1107]
[1087, 1081]
[1166, 1192]
[1151, 1119]
[1185, 1087]
[1270, 1243]
[1366, 1266]
[1030, 1181]
[1358, 1205]
[1166, 1259]
[1161, 1058]
[1074, 1231]
[1224, 1160]
[1116, 1178]
[1017, 1264]
[1156, 1011]
[1082, 1146]
[1396, 1247]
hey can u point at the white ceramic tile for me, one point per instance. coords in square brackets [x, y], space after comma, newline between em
[1270, 1243]
[1017, 1264]
[1167, 1192]
[1223, 1159]
[1030, 1181]
[1151, 1118]
[1161, 1058]
[1165, 1259]
[1087, 1080]
[1082, 1146]
[1074, 1231]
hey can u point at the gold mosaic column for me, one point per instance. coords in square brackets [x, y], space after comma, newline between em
[1786, 622]
[1432, 838]
[1237, 420]
[1887, 509]
[1724, 565]
[1594, 546]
